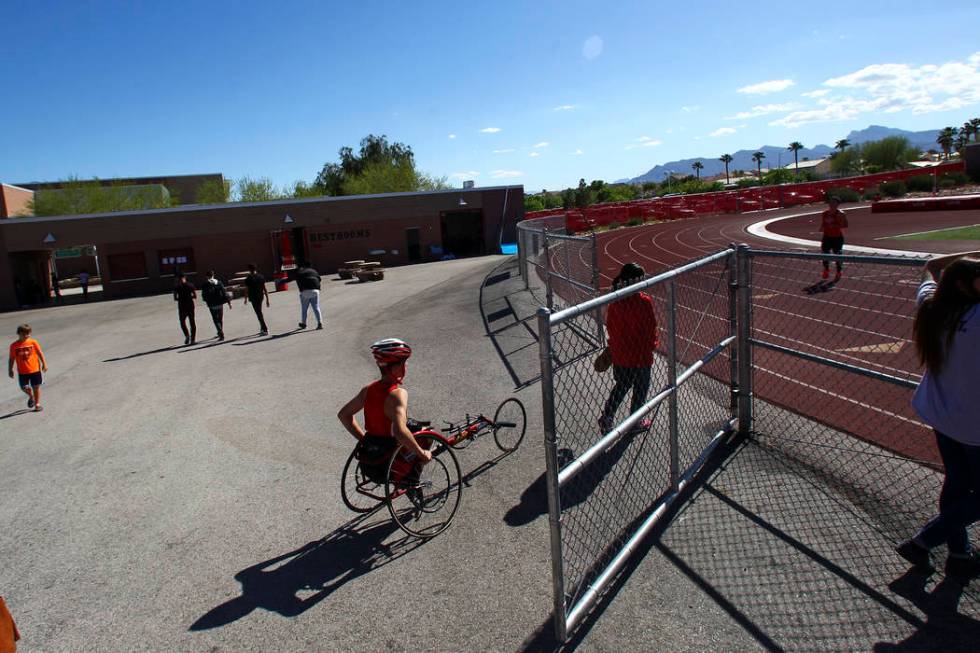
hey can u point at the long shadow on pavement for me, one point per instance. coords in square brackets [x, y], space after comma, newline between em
[255, 340]
[316, 568]
[143, 353]
[508, 311]
[17, 412]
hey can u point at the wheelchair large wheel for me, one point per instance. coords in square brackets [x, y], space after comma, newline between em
[359, 493]
[424, 501]
[509, 423]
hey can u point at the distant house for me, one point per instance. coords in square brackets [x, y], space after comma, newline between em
[816, 167]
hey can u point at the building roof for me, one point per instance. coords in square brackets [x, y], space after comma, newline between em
[810, 163]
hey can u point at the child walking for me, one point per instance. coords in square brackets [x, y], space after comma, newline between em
[832, 224]
[26, 351]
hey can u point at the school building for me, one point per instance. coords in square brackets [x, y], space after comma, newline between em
[136, 253]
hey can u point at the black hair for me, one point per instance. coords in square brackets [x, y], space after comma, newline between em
[628, 275]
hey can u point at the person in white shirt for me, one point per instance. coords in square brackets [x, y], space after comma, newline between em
[947, 337]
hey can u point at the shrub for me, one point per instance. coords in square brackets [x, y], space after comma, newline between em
[893, 188]
[946, 182]
[870, 193]
[613, 225]
[919, 183]
[634, 222]
[844, 194]
[957, 178]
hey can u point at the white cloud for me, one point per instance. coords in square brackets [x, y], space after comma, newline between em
[578, 153]
[592, 47]
[468, 174]
[820, 92]
[723, 131]
[506, 174]
[644, 141]
[762, 88]
[490, 130]
[451, 136]
[566, 107]
[893, 88]
[764, 109]
[506, 150]
[541, 144]
[691, 109]
[534, 154]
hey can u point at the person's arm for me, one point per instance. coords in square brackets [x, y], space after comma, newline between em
[651, 318]
[396, 409]
[843, 220]
[40, 354]
[10, 366]
[934, 268]
[227, 295]
[349, 410]
[265, 291]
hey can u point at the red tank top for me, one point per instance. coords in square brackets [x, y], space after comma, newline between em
[375, 420]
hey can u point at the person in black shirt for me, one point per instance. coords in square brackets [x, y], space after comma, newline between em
[255, 290]
[215, 296]
[184, 295]
[308, 282]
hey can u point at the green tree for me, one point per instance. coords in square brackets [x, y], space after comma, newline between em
[892, 153]
[961, 142]
[533, 203]
[583, 195]
[698, 167]
[846, 162]
[758, 157]
[975, 125]
[795, 148]
[726, 159]
[213, 191]
[304, 189]
[842, 144]
[374, 150]
[947, 135]
[79, 197]
[779, 176]
[256, 190]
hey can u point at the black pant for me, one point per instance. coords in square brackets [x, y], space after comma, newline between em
[185, 313]
[959, 501]
[626, 378]
[257, 307]
[218, 315]
[833, 244]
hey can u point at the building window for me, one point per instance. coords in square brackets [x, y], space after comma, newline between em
[123, 267]
[174, 260]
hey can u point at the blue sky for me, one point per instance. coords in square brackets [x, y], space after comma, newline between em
[538, 93]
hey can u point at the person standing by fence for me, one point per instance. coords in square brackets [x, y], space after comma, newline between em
[832, 225]
[631, 326]
[947, 337]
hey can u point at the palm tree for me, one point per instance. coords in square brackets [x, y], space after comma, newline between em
[975, 123]
[961, 142]
[945, 139]
[842, 144]
[726, 159]
[795, 148]
[966, 130]
[698, 166]
[758, 157]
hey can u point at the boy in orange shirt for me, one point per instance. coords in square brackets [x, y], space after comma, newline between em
[30, 363]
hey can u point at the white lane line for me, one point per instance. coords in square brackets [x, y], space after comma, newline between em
[931, 231]
[759, 230]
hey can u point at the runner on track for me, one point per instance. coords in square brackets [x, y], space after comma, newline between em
[832, 224]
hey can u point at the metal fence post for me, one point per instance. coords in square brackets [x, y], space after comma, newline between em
[672, 383]
[733, 326]
[549, 298]
[551, 462]
[600, 327]
[744, 334]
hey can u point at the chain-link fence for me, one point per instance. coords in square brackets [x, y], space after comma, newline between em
[819, 370]
[834, 366]
[564, 267]
[624, 441]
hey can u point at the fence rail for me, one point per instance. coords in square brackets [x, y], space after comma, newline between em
[822, 377]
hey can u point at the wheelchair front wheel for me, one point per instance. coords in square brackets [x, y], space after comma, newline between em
[423, 499]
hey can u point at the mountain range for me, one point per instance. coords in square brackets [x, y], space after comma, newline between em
[776, 156]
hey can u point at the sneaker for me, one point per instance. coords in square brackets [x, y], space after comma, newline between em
[963, 567]
[825, 273]
[319, 327]
[263, 332]
[187, 340]
[221, 336]
[917, 555]
[302, 325]
[38, 409]
[193, 340]
[30, 402]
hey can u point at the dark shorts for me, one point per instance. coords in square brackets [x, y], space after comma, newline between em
[33, 379]
[833, 244]
[374, 453]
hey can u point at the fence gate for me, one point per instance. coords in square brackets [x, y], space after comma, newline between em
[614, 467]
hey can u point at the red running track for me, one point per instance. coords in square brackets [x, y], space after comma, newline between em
[865, 320]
